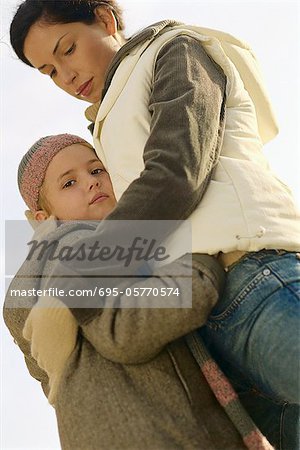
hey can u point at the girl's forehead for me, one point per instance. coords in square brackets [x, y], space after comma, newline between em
[76, 153]
[68, 160]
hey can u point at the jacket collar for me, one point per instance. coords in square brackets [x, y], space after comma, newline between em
[138, 38]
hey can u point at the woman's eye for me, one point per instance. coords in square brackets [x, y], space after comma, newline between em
[97, 171]
[70, 50]
[52, 73]
[68, 184]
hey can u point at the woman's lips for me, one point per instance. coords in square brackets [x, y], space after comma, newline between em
[85, 89]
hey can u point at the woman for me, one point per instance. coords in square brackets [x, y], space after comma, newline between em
[176, 161]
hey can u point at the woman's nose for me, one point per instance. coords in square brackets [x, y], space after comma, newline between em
[68, 75]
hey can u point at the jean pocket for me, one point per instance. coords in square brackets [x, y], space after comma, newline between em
[245, 299]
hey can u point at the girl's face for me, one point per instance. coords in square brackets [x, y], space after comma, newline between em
[75, 55]
[76, 186]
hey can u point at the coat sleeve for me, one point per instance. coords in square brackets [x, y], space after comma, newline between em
[14, 319]
[187, 105]
[135, 335]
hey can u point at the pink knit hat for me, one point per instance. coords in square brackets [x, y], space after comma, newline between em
[33, 166]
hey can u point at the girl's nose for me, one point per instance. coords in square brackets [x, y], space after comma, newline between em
[93, 183]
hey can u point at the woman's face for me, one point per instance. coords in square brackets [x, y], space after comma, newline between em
[75, 55]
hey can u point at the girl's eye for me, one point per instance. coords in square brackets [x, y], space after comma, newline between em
[70, 50]
[68, 184]
[97, 171]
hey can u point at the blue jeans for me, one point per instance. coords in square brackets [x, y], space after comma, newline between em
[254, 334]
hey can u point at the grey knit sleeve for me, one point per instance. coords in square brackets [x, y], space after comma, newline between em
[187, 106]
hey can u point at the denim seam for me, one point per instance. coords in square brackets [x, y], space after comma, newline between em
[256, 390]
[251, 286]
[246, 257]
[239, 299]
[284, 283]
[252, 256]
[258, 256]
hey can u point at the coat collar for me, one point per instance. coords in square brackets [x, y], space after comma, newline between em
[138, 38]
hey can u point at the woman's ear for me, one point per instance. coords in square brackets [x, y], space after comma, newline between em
[106, 16]
[40, 215]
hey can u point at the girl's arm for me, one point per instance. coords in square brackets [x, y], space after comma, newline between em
[135, 335]
[14, 319]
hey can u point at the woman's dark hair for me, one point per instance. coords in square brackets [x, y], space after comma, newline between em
[54, 12]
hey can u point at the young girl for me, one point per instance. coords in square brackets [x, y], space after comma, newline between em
[192, 116]
[117, 380]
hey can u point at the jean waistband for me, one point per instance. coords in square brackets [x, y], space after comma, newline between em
[229, 260]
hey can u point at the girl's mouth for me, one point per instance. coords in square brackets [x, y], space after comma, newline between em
[99, 198]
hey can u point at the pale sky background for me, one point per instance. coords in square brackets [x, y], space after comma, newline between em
[32, 107]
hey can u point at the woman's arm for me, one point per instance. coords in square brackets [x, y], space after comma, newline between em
[187, 106]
